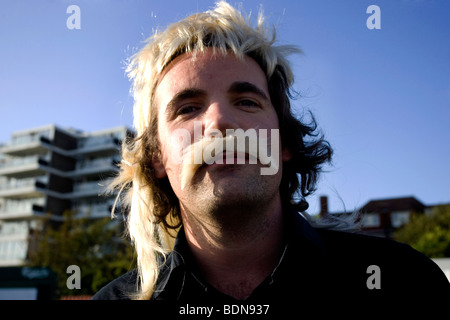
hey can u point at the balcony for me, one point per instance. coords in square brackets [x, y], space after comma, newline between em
[99, 210]
[21, 167]
[95, 167]
[13, 242]
[23, 188]
[38, 187]
[13, 250]
[84, 168]
[27, 145]
[22, 209]
[100, 145]
[86, 189]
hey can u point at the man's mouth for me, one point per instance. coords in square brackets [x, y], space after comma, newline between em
[225, 151]
[196, 158]
[231, 158]
[221, 160]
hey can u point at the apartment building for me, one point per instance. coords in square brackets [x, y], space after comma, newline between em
[48, 170]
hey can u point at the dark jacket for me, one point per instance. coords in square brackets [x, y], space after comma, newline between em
[317, 265]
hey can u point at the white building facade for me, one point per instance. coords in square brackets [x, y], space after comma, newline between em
[47, 171]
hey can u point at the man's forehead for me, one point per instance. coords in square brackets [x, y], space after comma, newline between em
[185, 70]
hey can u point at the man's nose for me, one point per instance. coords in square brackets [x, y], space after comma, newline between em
[219, 117]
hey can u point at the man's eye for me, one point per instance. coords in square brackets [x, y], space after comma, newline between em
[247, 103]
[186, 110]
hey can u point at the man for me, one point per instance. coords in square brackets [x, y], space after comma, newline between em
[219, 230]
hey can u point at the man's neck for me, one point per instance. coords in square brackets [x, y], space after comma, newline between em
[235, 259]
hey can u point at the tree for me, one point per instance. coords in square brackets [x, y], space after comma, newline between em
[428, 233]
[94, 245]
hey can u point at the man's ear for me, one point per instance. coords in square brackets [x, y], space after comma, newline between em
[286, 154]
[158, 167]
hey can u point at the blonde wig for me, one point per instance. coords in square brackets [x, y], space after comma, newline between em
[154, 218]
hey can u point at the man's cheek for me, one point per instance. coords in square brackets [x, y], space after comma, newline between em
[179, 140]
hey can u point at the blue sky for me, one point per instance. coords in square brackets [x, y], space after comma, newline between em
[381, 97]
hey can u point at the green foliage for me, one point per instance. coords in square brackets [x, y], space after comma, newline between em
[93, 245]
[429, 234]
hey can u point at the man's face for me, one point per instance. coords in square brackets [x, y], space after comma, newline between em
[219, 92]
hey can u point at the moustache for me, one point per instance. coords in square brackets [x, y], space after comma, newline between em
[228, 150]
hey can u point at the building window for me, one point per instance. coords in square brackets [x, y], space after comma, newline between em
[398, 219]
[13, 250]
[370, 220]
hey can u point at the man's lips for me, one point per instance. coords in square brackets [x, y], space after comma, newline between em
[201, 154]
[231, 158]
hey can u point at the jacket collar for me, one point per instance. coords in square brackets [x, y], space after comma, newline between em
[299, 229]
[180, 261]
[173, 269]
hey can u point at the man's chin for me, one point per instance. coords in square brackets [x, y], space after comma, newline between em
[237, 192]
[241, 185]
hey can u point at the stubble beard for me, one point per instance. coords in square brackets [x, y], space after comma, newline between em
[234, 211]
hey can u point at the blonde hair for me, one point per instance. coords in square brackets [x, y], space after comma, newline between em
[224, 29]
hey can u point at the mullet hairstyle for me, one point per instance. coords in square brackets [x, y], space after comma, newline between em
[154, 213]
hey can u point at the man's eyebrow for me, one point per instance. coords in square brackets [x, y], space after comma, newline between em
[243, 87]
[187, 93]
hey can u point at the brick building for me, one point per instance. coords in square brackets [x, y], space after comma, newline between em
[381, 217]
